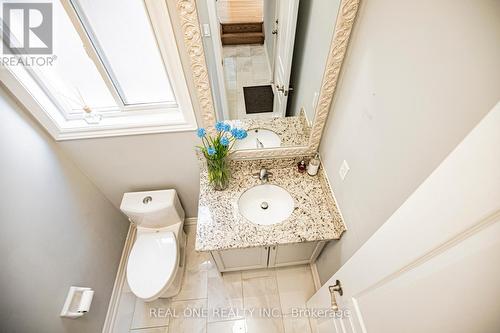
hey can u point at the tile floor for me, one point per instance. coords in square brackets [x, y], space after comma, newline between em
[203, 288]
[244, 66]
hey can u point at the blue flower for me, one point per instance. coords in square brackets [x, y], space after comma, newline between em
[239, 134]
[219, 126]
[224, 141]
[211, 151]
[227, 127]
[201, 132]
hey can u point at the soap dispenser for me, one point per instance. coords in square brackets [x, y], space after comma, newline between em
[313, 166]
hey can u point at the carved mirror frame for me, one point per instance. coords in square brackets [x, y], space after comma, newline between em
[190, 25]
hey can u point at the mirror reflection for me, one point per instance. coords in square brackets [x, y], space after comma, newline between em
[266, 60]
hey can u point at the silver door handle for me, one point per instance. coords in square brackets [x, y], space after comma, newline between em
[337, 287]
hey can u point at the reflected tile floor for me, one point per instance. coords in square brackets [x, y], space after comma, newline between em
[244, 66]
[209, 302]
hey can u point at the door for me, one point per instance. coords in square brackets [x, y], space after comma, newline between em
[287, 20]
[241, 259]
[434, 266]
[294, 254]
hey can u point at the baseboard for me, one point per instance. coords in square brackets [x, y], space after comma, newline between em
[315, 274]
[190, 221]
[109, 322]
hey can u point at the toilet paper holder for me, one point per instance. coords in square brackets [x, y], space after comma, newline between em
[77, 302]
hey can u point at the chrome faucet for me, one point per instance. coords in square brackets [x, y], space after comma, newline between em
[263, 175]
[260, 145]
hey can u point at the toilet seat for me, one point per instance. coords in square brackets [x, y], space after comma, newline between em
[152, 263]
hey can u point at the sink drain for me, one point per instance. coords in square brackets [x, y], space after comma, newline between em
[264, 205]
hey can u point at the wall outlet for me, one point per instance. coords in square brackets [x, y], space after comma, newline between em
[344, 169]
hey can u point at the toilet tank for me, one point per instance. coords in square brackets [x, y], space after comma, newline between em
[153, 209]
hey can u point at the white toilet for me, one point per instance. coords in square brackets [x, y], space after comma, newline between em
[156, 262]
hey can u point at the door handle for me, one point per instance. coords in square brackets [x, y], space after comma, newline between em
[337, 287]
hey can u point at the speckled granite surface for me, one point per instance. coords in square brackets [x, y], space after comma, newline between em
[293, 131]
[221, 226]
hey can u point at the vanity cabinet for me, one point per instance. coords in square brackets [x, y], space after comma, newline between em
[294, 254]
[267, 256]
[241, 259]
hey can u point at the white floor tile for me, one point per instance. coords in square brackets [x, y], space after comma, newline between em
[268, 272]
[194, 282]
[264, 325]
[296, 325]
[244, 66]
[125, 312]
[148, 315]
[295, 285]
[261, 293]
[188, 318]
[231, 326]
[151, 330]
[225, 293]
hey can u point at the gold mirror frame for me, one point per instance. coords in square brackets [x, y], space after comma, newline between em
[186, 10]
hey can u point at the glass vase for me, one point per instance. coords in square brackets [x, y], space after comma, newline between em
[218, 173]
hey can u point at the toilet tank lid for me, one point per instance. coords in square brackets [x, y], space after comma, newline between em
[148, 201]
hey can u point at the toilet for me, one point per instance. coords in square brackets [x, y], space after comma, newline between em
[156, 262]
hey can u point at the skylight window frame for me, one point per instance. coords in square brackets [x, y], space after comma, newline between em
[131, 119]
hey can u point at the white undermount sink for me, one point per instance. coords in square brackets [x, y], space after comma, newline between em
[266, 204]
[259, 138]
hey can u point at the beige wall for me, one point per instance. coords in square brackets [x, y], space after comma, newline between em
[58, 230]
[417, 78]
[140, 162]
[313, 36]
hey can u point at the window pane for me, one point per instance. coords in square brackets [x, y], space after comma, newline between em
[73, 78]
[126, 39]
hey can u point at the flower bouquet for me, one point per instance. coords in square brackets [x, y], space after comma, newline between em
[216, 150]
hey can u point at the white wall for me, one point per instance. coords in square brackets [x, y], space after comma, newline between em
[140, 162]
[417, 78]
[58, 230]
[313, 36]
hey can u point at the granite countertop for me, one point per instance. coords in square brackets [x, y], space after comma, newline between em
[220, 225]
[293, 131]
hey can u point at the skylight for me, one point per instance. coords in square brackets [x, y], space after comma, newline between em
[122, 35]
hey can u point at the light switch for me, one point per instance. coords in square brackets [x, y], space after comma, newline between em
[344, 169]
[206, 30]
[315, 100]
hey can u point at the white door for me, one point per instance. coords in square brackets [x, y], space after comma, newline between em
[434, 266]
[287, 11]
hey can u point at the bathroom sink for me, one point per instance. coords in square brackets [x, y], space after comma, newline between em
[259, 138]
[266, 204]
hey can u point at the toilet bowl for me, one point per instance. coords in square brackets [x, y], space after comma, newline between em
[156, 262]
